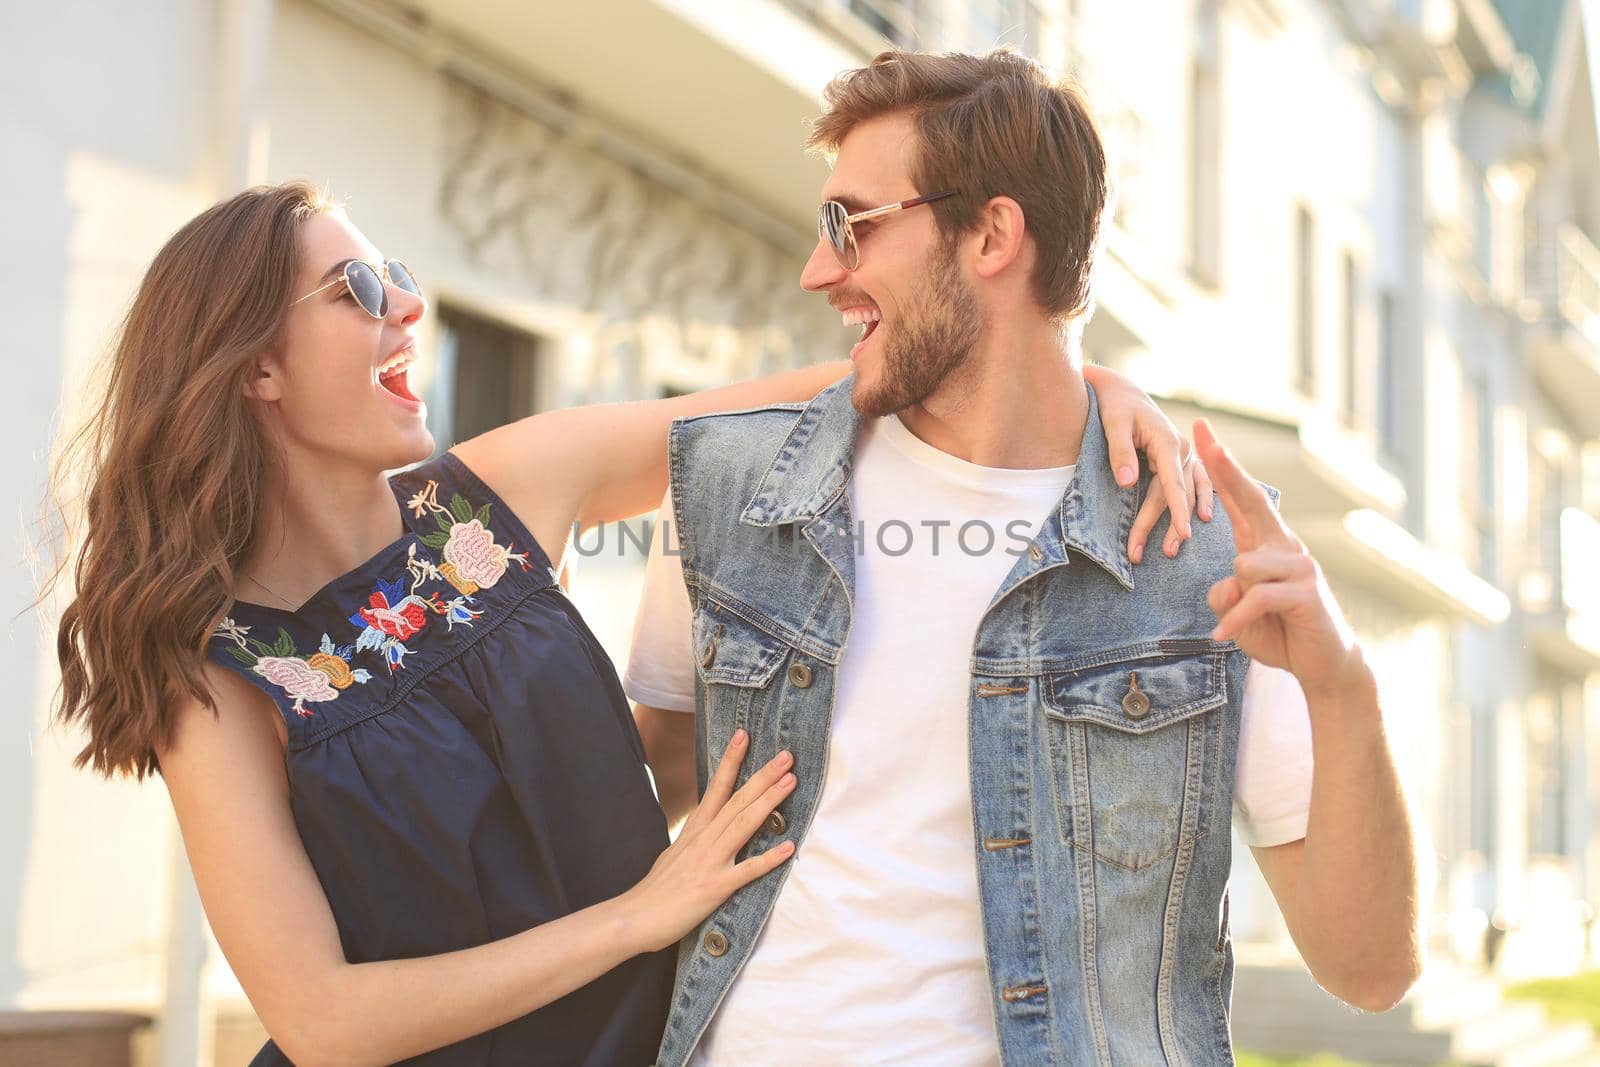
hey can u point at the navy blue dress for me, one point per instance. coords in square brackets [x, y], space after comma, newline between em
[462, 762]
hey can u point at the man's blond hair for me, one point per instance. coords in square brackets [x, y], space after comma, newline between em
[987, 126]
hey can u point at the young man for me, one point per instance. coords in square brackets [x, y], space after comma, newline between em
[1017, 756]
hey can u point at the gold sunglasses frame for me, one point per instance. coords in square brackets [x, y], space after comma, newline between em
[383, 279]
[863, 216]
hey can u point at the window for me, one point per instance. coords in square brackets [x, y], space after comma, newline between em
[895, 20]
[1545, 726]
[1545, 496]
[1483, 780]
[1479, 200]
[1031, 27]
[1305, 341]
[1350, 347]
[997, 22]
[1205, 151]
[487, 376]
[986, 23]
[1477, 474]
[1389, 443]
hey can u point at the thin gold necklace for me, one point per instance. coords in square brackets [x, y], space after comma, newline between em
[268, 590]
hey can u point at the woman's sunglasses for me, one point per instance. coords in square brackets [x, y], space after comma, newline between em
[367, 285]
[834, 225]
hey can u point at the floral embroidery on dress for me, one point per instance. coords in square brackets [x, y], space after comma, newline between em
[310, 679]
[395, 613]
[472, 560]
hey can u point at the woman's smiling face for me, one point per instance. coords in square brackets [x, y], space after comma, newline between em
[338, 381]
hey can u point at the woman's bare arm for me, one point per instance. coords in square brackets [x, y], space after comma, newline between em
[226, 777]
[602, 462]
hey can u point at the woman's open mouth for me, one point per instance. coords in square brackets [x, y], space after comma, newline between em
[395, 373]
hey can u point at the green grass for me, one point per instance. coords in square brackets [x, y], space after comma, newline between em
[1576, 998]
[1321, 1059]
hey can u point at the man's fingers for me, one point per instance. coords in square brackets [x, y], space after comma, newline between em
[1224, 595]
[1241, 494]
[1272, 565]
[1258, 602]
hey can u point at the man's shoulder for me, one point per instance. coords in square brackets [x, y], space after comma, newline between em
[735, 437]
[747, 426]
[787, 412]
[1208, 555]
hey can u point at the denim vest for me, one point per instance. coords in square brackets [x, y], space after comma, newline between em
[1103, 722]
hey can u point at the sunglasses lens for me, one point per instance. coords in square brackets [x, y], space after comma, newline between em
[401, 278]
[368, 288]
[831, 225]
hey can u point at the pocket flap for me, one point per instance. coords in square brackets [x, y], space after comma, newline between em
[1139, 695]
[733, 651]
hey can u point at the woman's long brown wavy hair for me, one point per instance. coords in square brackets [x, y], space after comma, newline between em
[172, 461]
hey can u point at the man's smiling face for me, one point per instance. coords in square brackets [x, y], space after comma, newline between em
[918, 316]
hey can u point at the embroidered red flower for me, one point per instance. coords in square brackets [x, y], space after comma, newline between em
[399, 621]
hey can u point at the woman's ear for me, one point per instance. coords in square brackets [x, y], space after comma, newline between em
[266, 379]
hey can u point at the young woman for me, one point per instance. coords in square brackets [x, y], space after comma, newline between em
[408, 783]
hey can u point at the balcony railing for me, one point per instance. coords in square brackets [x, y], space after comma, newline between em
[865, 24]
[1478, 220]
[1563, 278]
[894, 19]
[1576, 278]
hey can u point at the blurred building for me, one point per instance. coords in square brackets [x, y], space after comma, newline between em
[1360, 235]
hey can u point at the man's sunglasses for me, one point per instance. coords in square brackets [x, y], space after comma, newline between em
[367, 285]
[834, 224]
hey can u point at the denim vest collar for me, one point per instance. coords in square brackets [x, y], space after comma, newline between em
[810, 471]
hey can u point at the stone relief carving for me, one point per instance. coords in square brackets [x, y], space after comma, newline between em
[582, 229]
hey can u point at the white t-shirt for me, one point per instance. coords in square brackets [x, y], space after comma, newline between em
[874, 950]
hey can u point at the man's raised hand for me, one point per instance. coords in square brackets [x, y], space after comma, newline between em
[1277, 604]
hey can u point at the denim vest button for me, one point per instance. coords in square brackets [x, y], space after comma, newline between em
[716, 943]
[1035, 553]
[1135, 704]
[775, 824]
[800, 676]
[710, 655]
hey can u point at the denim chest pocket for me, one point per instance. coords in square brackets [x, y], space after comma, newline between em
[732, 651]
[1134, 748]
[737, 662]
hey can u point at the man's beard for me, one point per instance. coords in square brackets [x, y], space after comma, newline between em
[931, 338]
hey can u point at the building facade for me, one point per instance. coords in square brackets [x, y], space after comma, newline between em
[1359, 235]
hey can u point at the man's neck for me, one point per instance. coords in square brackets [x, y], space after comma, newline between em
[1018, 402]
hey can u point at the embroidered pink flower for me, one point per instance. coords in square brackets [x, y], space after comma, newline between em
[471, 551]
[297, 678]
